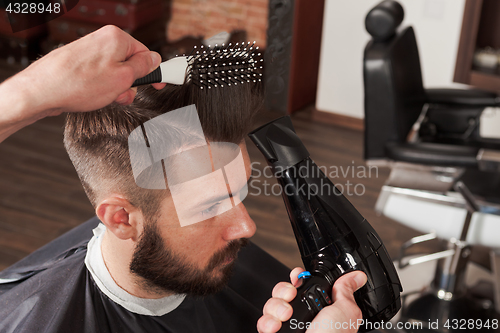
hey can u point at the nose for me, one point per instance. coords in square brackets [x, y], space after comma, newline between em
[240, 224]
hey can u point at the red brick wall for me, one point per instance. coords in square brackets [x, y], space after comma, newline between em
[209, 17]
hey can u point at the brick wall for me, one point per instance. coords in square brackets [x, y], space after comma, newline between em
[209, 17]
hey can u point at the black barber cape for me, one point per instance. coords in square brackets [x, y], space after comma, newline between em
[51, 290]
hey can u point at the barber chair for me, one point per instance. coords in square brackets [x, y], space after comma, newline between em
[445, 178]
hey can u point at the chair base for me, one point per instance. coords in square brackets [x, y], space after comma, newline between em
[424, 311]
[470, 313]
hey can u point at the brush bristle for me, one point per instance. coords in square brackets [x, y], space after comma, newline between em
[224, 66]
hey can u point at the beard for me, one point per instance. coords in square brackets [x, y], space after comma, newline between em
[163, 271]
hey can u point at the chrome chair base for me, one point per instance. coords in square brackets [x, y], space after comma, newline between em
[425, 309]
[469, 313]
[444, 291]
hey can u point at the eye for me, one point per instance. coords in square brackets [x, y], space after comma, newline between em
[211, 210]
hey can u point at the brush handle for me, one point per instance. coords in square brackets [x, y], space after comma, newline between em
[153, 77]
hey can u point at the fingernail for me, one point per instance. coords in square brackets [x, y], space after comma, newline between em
[156, 59]
[281, 312]
[360, 280]
[122, 100]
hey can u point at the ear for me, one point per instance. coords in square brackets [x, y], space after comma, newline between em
[120, 217]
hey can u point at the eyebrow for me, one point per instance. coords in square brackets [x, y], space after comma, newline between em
[211, 201]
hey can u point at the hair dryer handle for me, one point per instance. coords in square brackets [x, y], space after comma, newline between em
[313, 295]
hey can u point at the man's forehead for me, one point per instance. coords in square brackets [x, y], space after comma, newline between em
[203, 174]
[194, 162]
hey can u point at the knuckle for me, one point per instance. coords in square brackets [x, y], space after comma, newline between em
[268, 306]
[277, 287]
[280, 288]
[267, 324]
[261, 324]
[112, 36]
[112, 30]
[126, 75]
[272, 305]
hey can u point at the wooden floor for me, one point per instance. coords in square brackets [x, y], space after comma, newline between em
[41, 196]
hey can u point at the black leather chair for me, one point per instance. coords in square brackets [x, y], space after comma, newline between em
[395, 98]
[441, 167]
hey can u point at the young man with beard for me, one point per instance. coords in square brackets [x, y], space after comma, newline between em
[142, 271]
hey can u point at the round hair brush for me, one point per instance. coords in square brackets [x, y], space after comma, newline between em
[208, 68]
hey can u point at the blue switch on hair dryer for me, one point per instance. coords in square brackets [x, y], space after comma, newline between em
[333, 237]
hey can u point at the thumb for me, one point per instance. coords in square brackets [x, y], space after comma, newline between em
[294, 276]
[346, 285]
[143, 63]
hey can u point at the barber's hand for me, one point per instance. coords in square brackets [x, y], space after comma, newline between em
[344, 307]
[91, 72]
[84, 75]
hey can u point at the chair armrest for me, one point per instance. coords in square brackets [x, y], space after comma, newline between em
[463, 97]
[433, 154]
[489, 160]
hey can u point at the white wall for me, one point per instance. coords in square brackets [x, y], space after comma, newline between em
[437, 25]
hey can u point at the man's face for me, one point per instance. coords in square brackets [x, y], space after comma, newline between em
[197, 258]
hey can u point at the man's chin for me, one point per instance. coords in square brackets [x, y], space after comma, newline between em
[224, 272]
[222, 275]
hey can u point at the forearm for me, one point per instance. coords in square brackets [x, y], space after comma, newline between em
[18, 107]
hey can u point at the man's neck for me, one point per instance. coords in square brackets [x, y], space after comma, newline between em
[117, 255]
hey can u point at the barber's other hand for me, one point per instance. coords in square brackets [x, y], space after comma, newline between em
[87, 74]
[344, 308]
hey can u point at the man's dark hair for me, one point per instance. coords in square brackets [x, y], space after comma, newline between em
[97, 142]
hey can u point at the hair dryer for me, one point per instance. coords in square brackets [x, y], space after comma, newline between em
[333, 237]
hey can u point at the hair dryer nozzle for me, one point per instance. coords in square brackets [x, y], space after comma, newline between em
[279, 143]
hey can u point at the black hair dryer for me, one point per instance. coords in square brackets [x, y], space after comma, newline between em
[333, 237]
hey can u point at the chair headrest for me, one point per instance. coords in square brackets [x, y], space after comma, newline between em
[383, 20]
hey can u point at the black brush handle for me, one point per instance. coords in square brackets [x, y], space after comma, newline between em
[153, 77]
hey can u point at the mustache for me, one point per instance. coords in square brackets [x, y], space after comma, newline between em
[230, 251]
